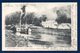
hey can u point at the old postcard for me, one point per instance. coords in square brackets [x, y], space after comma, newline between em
[39, 26]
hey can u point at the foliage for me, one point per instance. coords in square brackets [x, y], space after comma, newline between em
[63, 16]
[29, 18]
[12, 18]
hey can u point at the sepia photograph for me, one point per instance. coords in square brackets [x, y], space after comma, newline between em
[39, 26]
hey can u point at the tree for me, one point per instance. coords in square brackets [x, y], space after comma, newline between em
[12, 18]
[29, 18]
[62, 17]
[36, 22]
[43, 18]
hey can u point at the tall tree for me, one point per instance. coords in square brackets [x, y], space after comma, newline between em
[62, 18]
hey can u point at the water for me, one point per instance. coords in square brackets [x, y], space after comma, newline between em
[42, 37]
[54, 37]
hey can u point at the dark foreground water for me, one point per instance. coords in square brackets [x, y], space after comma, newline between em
[39, 37]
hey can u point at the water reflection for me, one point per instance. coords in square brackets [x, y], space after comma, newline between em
[40, 37]
[48, 37]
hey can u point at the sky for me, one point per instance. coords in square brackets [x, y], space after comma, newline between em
[39, 8]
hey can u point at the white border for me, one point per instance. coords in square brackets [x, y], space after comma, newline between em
[73, 34]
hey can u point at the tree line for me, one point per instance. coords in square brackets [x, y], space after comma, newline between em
[30, 18]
